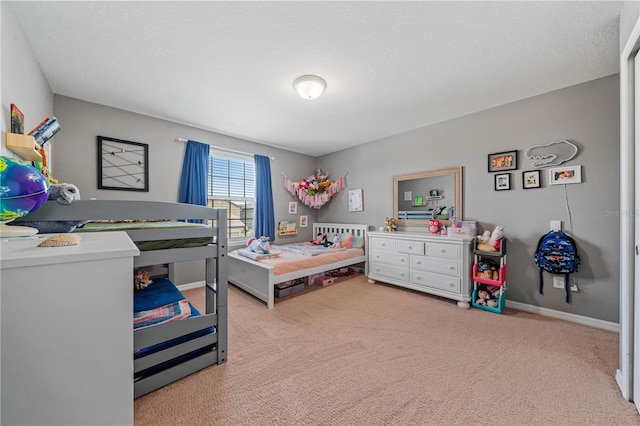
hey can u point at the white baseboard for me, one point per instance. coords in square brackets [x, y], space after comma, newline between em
[189, 286]
[592, 322]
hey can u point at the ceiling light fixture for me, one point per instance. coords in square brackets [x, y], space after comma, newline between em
[309, 86]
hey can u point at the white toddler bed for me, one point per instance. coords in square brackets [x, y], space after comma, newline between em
[260, 277]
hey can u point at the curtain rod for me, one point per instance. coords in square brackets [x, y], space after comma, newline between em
[219, 148]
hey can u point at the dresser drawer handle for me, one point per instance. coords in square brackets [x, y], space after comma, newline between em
[451, 284]
[452, 267]
[443, 250]
[418, 262]
[401, 260]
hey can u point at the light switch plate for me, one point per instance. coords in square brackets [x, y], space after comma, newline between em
[556, 225]
[558, 281]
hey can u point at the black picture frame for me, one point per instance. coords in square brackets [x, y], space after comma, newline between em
[502, 181]
[501, 161]
[123, 165]
[531, 179]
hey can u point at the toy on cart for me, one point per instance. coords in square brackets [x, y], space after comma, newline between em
[490, 272]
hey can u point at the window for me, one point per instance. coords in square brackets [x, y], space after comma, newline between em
[231, 185]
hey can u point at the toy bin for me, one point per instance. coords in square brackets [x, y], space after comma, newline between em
[502, 298]
[502, 276]
[501, 252]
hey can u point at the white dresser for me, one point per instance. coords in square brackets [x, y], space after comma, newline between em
[67, 333]
[434, 264]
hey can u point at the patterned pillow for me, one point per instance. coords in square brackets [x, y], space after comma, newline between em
[351, 241]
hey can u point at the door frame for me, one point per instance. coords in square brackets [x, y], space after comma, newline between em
[629, 297]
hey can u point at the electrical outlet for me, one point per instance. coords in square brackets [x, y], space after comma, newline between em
[558, 281]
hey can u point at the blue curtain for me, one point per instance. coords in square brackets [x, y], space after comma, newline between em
[264, 222]
[195, 167]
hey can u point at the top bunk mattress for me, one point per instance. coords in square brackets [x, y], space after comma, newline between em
[100, 226]
[296, 257]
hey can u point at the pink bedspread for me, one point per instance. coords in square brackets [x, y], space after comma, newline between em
[291, 262]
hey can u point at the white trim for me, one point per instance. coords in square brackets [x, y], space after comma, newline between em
[591, 322]
[624, 374]
[190, 286]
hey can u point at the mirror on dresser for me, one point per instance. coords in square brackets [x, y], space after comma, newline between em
[418, 197]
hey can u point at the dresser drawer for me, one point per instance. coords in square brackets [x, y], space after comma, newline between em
[436, 281]
[444, 265]
[383, 244]
[395, 272]
[395, 259]
[413, 247]
[443, 250]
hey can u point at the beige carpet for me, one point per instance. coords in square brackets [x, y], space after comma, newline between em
[360, 354]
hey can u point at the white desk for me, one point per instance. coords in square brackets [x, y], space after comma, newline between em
[66, 331]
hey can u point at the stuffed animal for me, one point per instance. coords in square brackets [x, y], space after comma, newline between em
[496, 236]
[321, 240]
[64, 193]
[434, 226]
[390, 224]
[487, 295]
[141, 279]
[484, 238]
[259, 245]
[493, 243]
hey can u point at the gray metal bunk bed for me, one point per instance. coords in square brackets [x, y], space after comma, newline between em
[181, 347]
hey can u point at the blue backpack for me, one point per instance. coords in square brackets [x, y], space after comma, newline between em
[557, 253]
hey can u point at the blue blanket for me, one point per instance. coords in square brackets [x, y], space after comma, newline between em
[306, 249]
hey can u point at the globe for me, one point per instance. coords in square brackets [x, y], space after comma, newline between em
[23, 189]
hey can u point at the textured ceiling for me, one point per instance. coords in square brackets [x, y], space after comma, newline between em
[390, 67]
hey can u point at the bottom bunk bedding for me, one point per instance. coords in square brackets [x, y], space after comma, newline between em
[160, 303]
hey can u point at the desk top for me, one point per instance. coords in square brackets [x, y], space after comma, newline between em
[24, 251]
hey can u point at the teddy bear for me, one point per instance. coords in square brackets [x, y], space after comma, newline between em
[141, 279]
[390, 224]
[259, 245]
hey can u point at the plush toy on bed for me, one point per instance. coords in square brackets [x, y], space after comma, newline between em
[141, 279]
[259, 245]
[321, 240]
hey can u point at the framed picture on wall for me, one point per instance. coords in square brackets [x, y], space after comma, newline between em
[355, 200]
[502, 181]
[501, 161]
[287, 227]
[564, 175]
[123, 165]
[293, 207]
[531, 179]
[304, 221]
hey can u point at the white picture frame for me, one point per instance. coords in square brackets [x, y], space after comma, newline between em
[565, 175]
[502, 182]
[293, 207]
[304, 221]
[356, 200]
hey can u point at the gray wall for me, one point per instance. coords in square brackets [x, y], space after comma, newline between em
[23, 82]
[586, 114]
[75, 151]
